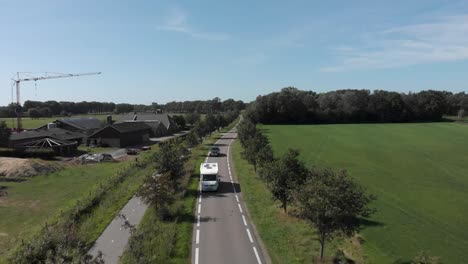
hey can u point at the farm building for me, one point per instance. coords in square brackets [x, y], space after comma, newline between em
[88, 125]
[62, 141]
[154, 120]
[56, 133]
[120, 135]
[60, 147]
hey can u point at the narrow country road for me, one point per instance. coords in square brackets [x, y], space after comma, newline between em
[222, 232]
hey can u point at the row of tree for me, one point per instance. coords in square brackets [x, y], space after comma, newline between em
[36, 109]
[209, 106]
[292, 105]
[332, 201]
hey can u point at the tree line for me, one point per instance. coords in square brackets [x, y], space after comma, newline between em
[36, 109]
[330, 200]
[292, 105]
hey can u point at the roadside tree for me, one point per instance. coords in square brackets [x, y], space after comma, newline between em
[253, 147]
[333, 203]
[246, 129]
[157, 191]
[168, 161]
[199, 128]
[284, 176]
[191, 139]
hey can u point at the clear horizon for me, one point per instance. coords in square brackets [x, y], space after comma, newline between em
[161, 51]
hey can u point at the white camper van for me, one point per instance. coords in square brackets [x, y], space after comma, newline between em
[209, 177]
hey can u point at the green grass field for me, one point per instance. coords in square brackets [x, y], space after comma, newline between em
[31, 203]
[29, 123]
[418, 171]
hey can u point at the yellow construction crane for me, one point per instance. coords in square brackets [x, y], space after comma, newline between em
[45, 76]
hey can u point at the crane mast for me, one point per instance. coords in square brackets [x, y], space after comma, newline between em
[46, 76]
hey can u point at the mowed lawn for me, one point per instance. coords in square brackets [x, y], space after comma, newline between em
[29, 123]
[418, 171]
[31, 203]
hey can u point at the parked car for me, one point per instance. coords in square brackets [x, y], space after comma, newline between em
[132, 151]
[214, 151]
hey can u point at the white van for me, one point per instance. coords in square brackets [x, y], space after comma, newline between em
[209, 177]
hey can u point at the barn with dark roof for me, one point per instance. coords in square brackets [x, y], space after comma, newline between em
[121, 135]
[161, 124]
[88, 125]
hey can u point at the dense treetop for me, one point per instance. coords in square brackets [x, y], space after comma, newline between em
[292, 105]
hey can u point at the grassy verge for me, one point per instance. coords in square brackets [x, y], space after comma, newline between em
[170, 241]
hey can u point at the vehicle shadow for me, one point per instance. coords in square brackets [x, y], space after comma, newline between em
[219, 155]
[224, 189]
[216, 145]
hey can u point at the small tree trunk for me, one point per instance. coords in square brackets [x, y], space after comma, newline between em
[322, 245]
[255, 166]
[285, 206]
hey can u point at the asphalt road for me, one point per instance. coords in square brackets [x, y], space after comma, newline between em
[222, 232]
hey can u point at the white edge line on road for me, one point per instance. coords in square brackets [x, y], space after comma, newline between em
[240, 208]
[237, 198]
[198, 237]
[256, 255]
[198, 220]
[250, 236]
[199, 208]
[196, 255]
[243, 219]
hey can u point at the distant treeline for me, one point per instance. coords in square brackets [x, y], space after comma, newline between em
[37, 109]
[292, 105]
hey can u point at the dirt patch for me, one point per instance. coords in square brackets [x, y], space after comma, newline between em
[15, 168]
[353, 249]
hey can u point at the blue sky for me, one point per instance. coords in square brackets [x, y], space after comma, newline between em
[159, 51]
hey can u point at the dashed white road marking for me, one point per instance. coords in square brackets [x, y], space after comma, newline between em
[237, 198]
[243, 219]
[199, 208]
[198, 237]
[198, 220]
[240, 208]
[257, 256]
[196, 256]
[250, 236]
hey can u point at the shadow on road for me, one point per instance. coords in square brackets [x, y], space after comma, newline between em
[224, 188]
[216, 145]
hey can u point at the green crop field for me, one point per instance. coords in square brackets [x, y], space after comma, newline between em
[418, 171]
[29, 123]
